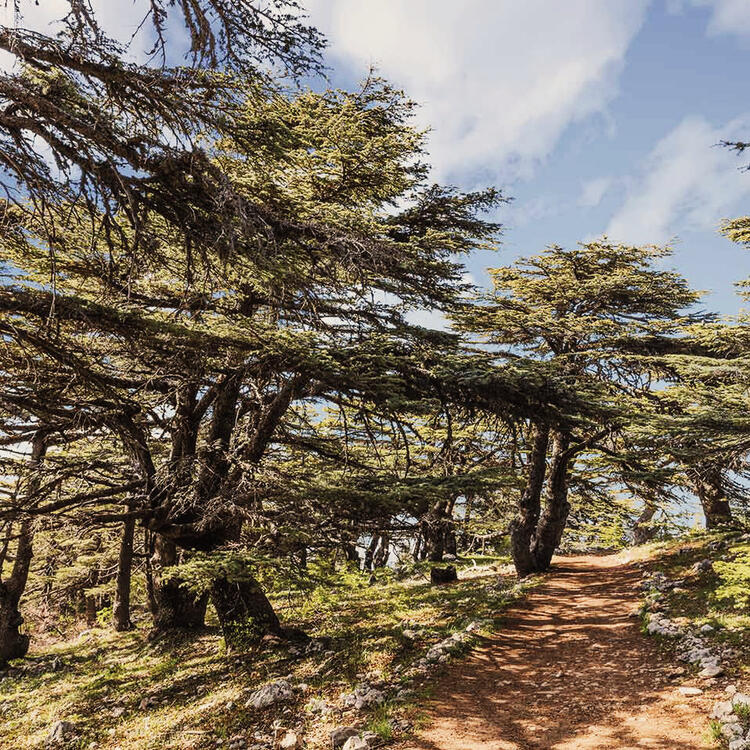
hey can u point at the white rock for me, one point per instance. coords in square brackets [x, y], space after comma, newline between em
[355, 743]
[732, 731]
[722, 709]
[707, 628]
[274, 692]
[340, 735]
[290, 741]
[690, 691]
[319, 706]
[730, 689]
[369, 698]
[712, 670]
[61, 732]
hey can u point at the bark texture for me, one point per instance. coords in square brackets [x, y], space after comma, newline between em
[643, 531]
[523, 526]
[13, 643]
[121, 607]
[244, 612]
[557, 508]
[177, 608]
[709, 486]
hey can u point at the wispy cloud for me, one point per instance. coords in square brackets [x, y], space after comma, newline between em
[727, 16]
[593, 191]
[687, 182]
[499, 81]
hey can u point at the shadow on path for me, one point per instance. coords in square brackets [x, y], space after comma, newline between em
[569, 670]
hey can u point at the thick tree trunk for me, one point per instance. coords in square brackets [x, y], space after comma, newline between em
[437, 528]
[709, 487]
[121, 609]
[13, 643]
[244, 612]
[523, 526]
[418, 553]
[177, 608]
[643, 531]
[555, 516]
[370, 552]
[351, 553]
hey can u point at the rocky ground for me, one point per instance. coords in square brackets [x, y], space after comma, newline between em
[373, 652]
[573, 667]
[610, 651]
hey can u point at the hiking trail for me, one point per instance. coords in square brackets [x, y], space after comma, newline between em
[568, 670]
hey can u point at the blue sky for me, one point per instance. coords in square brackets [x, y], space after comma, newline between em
[594, 116]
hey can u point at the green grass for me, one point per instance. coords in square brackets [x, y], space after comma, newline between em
[696, 602]
[380, 722]
[715, 731]
[199, 691]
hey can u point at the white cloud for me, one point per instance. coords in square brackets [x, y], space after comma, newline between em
[593, 191]
[499, 81]
[727, 16]
[524, 212]
[687, 182]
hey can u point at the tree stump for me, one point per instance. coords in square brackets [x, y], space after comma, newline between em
[447, 574]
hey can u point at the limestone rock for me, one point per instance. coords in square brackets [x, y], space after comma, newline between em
[278, 691]
[290, 741]
[690, 691]
[340, 735]
[732, 731]
[356, 743]
[60, 733]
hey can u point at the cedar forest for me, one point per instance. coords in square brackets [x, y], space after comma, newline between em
[212, 398]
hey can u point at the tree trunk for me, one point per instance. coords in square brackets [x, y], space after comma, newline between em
[709, 487]
[177, 608]
[552, 522]
[643, 531]
[245, 614]
[435, 529]
[13, 643]
[380, 558]
[121, 609]
[351, 553]
[523, 526]
[370, 551]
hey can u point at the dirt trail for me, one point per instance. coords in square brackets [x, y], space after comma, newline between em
[569, 670]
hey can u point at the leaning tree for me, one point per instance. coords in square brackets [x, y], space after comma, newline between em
[576, 314]
[200, 360]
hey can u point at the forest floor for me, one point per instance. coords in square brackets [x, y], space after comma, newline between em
[571, 668]
[557, 663]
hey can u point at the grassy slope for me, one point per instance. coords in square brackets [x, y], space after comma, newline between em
[99, 679]
[695, 602]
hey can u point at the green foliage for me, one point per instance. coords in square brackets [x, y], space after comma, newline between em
[380, 722]
[715, 727]
[734, 577]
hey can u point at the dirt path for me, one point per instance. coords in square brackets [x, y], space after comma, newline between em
[570, 670]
